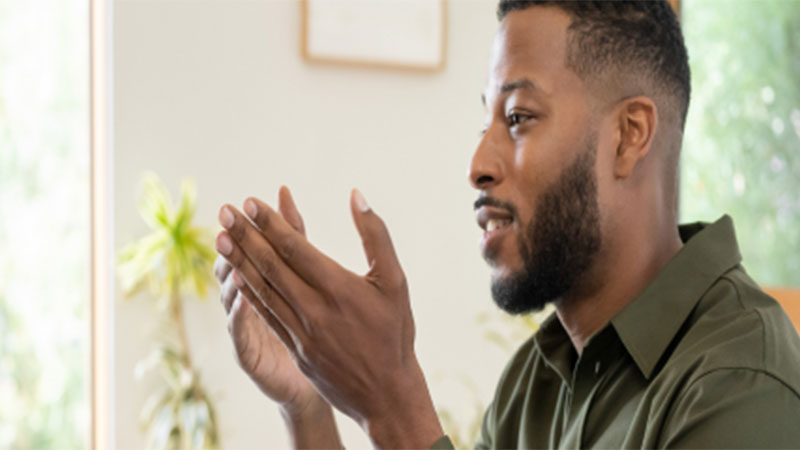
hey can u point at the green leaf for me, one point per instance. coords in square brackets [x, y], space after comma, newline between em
[175, 254]
[175, 258]
[154, 203]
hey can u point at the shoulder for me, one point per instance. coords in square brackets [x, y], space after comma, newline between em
[735, 370]
[779, 342]
[736, 325]
[734, 408]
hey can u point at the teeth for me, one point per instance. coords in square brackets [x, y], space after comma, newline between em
[494, 224]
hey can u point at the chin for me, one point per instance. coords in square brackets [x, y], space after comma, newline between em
[504, 259]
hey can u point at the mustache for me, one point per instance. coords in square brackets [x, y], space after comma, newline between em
[485, 200]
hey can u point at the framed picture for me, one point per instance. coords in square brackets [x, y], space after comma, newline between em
[402, 34]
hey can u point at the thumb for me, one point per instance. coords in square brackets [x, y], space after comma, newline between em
[288, 210]
[384, 266]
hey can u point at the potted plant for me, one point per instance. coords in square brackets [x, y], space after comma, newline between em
[174, 260]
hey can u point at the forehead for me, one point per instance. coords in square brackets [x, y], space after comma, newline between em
[532, 44]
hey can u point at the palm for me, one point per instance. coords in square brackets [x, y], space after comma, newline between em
[263, 356]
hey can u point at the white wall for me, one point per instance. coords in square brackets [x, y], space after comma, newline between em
[217, 90]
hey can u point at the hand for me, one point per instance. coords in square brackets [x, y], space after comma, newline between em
[258, 350]
[351, 335]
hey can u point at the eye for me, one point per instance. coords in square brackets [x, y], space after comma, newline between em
[516, 118]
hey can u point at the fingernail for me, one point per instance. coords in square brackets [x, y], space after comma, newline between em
[226, 217]
[361, 202]
[224, 244]
[250, 208]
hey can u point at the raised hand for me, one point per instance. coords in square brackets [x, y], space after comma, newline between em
[351, 335]
[260, 352]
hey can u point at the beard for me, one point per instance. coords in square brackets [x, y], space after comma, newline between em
[561, 242]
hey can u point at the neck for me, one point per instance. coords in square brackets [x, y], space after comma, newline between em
[621, 271]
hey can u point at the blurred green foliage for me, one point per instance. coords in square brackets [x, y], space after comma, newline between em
[44, 225]
[174, 259]
[30, 416]
[741, 153]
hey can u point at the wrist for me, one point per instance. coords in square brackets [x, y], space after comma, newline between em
[311, 425]
[310, 409]
[411, 420]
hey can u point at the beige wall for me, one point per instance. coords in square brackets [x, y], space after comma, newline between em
[216, 90]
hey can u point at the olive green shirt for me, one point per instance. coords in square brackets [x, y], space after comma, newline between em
[701, 358]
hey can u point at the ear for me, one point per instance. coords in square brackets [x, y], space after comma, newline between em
[638, 119]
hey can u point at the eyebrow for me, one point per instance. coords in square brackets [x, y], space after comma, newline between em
[522, 83]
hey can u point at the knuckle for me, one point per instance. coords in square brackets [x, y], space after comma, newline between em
[237, 231]
[287, 248]
[266, 295]
[266, 262]
[311, 322]
[263, 293]
[332, 290]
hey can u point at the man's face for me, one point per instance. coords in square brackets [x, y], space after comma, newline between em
[535, 165]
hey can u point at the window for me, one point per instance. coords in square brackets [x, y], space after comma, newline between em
[44, 224]
[741, 153]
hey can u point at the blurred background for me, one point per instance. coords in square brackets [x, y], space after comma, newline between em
[241, 96]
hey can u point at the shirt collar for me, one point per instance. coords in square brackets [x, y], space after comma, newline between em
[650, 322]
[555, 346]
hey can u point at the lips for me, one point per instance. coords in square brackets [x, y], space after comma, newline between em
[491, 218]
[495, 222]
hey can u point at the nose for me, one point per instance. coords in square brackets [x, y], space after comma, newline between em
[486, 167]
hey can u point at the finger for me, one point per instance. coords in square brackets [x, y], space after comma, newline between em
[288, 210]
[276, 304]
[263, 313]
[221, 268]
[229, 292]
[240, 288]
[296, 253]
[384, 266]
[260, 252]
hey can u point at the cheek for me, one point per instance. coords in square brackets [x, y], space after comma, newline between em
[537, 163]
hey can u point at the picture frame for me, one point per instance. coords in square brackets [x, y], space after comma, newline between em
[389, 34]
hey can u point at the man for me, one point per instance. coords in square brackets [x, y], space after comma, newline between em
[660, 339]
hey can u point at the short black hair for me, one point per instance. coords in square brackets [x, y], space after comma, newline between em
[642, 37]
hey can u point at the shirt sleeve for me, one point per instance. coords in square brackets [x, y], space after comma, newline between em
[443, 443]
[734, 408]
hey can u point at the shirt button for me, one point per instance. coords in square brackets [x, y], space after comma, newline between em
[597, 367]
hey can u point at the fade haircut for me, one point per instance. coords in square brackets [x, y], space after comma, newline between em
[615, 38]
